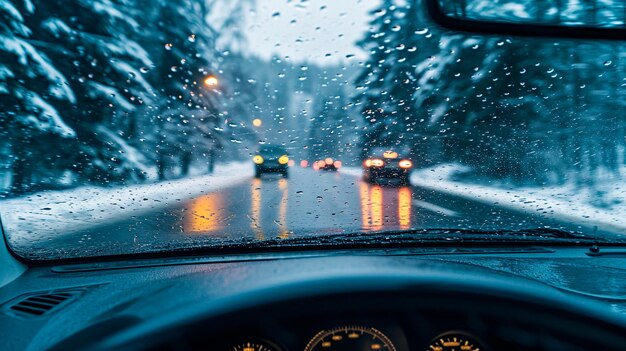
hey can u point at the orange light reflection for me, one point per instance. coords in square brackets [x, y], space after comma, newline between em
[405, 202]
[255, 210]
[373, 207]
[282, 209]
[205, 214]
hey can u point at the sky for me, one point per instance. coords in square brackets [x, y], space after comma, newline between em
[323, 31]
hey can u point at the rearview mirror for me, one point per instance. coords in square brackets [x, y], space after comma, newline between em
[593, 19]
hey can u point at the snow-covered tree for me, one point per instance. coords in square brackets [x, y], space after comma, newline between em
[30, 86]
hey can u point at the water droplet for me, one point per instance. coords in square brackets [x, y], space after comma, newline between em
[144, 69]
[421, 31]
[276, 14]
[608, 63]
[169, 46]
[192, 38]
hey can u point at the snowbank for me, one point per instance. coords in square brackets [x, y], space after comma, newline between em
[353, 171]
[564, 202]
[76, 209]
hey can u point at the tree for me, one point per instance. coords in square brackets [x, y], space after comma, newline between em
[30, 85]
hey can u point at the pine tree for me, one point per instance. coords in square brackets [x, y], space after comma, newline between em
[30, 85]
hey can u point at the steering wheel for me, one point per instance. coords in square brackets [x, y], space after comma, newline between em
[590, 324]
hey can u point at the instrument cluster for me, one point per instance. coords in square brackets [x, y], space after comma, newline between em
[364, 338]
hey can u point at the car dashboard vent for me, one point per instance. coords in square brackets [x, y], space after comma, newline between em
[41, 303]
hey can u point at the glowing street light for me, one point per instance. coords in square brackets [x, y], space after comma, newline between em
[257, 122]
[211, 81]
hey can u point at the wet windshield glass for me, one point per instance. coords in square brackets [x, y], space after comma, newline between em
[135, 126]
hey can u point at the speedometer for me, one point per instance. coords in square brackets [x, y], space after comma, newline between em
[454, 341]
[254, 346]
[350, 338]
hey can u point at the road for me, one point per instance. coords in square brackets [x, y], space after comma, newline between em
[307, 203]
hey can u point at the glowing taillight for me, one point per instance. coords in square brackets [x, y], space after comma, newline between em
[405, 164]
[377, 162]
[337, 164]
[328, 161]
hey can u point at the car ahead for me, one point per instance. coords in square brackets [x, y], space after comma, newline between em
[271, 159]
[327, 164]
[386, 164]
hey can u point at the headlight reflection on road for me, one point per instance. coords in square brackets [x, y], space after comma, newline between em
[282, 209]
[377, 207]
[376, 200]
[255, 210]
[405, 201]
[371, 206]
[205, 214]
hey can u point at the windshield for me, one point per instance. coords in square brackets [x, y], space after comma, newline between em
[149, 126]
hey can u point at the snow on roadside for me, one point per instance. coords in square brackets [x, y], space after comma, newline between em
[353, 171]
[50, 212]
[563, 202]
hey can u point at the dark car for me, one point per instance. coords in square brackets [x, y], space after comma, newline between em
[327, 164]
[271, 159]
[385, 163]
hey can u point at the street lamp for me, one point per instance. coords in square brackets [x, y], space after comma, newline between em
[257, 122]
[211, 81]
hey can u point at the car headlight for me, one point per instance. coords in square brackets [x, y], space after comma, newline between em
[405, 164]
[283, 160]
[258, 159]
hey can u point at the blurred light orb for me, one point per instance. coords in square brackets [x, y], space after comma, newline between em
[211, 81]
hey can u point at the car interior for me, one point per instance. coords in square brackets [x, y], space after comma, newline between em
[450, 295]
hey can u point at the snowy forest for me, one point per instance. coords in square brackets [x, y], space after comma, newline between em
[526, 111]
[110, 91]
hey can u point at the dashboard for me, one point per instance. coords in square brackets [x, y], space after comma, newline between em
[402, 300]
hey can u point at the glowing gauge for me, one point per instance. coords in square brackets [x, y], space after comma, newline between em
[254, 346]
[454, 342]
[350, 339]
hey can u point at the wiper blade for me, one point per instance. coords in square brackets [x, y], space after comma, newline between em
[415, 237]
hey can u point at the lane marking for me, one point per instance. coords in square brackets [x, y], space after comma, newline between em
[434, 208]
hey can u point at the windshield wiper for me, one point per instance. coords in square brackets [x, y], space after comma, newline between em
[419, 237]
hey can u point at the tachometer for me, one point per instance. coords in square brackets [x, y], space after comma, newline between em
[454, 341]
[254, 346]
[352, 338]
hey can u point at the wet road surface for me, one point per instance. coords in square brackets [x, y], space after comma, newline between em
[307, 203]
